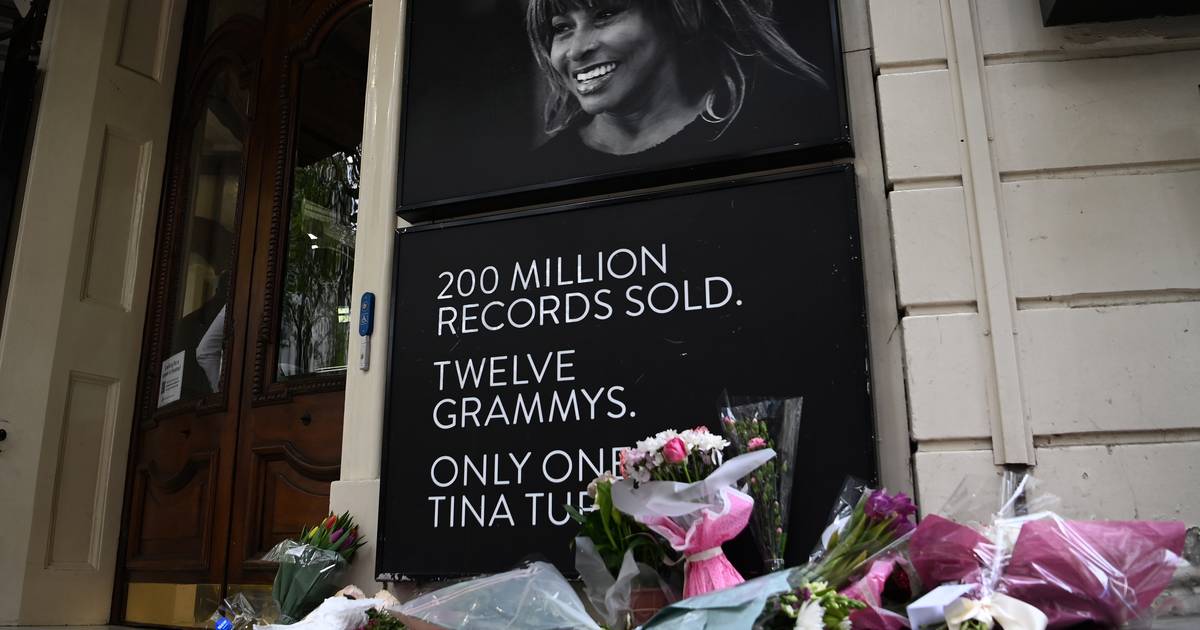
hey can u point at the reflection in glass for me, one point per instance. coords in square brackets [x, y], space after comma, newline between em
[315, 313]
[212, 184]
[219, 12]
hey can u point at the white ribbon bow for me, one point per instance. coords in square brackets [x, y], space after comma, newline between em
[1011, 613]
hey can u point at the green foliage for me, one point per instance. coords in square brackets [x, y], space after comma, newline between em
[782, 610]
[382, 621]
[614, 533]
[317, 273]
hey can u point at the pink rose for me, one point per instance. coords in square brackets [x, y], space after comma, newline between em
[675, 450]
[756, 443]
[701, 429]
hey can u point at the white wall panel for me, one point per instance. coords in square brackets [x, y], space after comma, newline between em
[1103, 234]
[932, 242]
[919, 133]
[111, 266]
[1127, 368]
[947, 357]
[81, 479]
[144, 37]
[940, 473]
[1015, 27]
[1095, 112]
[1134, 481]
[907, 31]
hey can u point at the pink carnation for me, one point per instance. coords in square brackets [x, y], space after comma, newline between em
[675, 450]
[756, 443]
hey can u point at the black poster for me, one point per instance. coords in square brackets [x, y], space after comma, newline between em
[527, 95]
[528, 349]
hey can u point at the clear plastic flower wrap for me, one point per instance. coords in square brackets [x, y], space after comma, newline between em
[620, 560]
[735, 607]
[869, 589]
[306, 576]
[533, 597]
[1026, 566]
[864, 523]
[752, 424]
[696, 518]
[236, 612]
[629, 598]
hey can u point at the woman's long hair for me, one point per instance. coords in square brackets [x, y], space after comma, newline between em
[724, 34]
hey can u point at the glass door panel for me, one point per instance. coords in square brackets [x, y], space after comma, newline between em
[315, 309]
[213, 186]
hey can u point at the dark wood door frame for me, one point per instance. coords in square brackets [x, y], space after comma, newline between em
[259, 430]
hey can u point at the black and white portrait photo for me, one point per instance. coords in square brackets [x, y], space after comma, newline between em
[504, 96]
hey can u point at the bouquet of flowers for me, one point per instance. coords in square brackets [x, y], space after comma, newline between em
[865, 525]
[687, 456]
[677, 486]
[812, 606]
[866, 522]
[310, 569]
[774, 424]
[1039, 570]
[619, 560]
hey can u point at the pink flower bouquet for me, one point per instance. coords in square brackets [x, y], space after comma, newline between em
[754, 425]
[1060, 572]
[1109, 572]
[676, 485]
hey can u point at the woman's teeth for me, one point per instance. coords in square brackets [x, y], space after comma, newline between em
[594, 73]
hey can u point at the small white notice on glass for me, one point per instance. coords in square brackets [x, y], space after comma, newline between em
[170, 386]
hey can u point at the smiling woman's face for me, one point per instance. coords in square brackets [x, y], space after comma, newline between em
[607, 56]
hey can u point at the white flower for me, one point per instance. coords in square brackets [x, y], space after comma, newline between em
[703, 441]
[845, 624]
[811, 616]
[655, 443]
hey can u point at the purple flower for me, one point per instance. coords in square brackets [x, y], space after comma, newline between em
[879, 505]
[882, 506]
[337, 534]
[805, 594]
[903, 505]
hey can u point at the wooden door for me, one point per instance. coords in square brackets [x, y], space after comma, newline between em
[239, 434]
[289, 448]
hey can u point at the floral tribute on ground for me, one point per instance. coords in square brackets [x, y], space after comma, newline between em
[676, 484]
[311, 569]
[753, 425]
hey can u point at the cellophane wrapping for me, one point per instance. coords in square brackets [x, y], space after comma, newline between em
[614, 597]
[237, 612]
[306, 576]
[751, 424]
[696, 518]
[1073, 571]
[532, 597]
